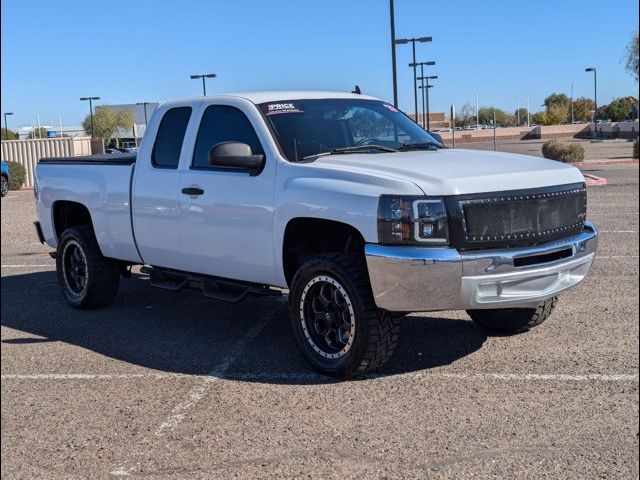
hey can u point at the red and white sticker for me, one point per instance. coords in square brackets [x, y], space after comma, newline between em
[390, 107]
[277, 108]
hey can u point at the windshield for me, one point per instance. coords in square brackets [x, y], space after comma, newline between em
[305, 128]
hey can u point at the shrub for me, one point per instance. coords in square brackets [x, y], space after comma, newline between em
[17, 175]
[636, 149]
[563, 152]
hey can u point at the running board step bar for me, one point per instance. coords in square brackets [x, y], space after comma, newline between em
[222, 289]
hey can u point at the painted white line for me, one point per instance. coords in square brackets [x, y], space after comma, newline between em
[607, 205]
[87, 376]
[555, 377]
[29, 265]
[616, 256]
[199, 391]
[618, 231]
[612, 213]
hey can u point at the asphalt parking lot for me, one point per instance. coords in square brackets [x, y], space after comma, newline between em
[165, 384]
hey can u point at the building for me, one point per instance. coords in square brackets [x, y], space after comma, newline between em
[52, 131]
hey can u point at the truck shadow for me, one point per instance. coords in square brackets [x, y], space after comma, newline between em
[184, 333]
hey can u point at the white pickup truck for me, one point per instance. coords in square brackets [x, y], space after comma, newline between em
[340, 199]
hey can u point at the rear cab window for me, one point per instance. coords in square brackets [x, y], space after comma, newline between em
[170, 137]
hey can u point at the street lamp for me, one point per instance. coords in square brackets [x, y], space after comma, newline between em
[144, 105]
[393, 53]
[425, 97]
[6, 127]
[91, 99]
[572, 119]
[203, 76]
[402, 41]
[595, 97]
[422, 65]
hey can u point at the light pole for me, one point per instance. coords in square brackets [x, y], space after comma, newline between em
[6, 126]
[392, 19]
[425, 92]
[203, 76]
[595, 96]
[572, 104]
[422, 65]
[424, 105]
[402, 41]
[91, 99]
[144, 105]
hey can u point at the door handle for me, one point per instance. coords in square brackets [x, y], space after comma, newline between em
[192, 191]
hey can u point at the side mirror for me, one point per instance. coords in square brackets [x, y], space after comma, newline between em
[235, 156]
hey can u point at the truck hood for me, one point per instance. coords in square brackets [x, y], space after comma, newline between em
[456, 171]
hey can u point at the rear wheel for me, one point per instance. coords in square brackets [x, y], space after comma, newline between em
[86, 278]
[337, 326]
[514, 320]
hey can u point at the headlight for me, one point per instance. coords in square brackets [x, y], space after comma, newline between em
[412, 220]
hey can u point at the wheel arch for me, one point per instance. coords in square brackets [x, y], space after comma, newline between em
[308, 237]
[67, 213]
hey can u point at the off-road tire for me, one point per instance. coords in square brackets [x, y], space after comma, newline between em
[102, 274]
[514, 320]
[376, 331]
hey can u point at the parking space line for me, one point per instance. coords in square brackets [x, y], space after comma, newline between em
[196, 394]
[616, 214]
[199, 391]
[24, 265]
[618, 231]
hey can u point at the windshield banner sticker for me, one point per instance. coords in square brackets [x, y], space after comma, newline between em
[390, 107]
[276, 108]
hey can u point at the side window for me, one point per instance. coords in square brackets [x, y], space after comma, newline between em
[222, 123]
[166, 149]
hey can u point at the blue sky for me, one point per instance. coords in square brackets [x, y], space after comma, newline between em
[142, 50]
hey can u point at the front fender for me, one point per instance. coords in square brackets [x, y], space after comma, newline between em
[308, 191]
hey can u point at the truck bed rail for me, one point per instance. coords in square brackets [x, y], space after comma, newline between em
[106, 159]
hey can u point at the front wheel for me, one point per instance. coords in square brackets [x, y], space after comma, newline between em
[337, 326]
[514, 320]
[86, 278]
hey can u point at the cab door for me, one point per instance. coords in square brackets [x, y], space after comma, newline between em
[226, 215]
[155, 188]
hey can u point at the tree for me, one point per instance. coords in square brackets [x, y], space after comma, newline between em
[583, 109]
[539, 118]
[633, 52]
[465, 116]
[620, 108]
[558, 113]
[521, 114]
[37, 133]
[9, 134]
[107, 123]
[557, 99]
[486, 116]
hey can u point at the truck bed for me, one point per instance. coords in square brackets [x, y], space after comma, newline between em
[102, 183]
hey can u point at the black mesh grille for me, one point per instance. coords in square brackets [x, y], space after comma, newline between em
[530, 217]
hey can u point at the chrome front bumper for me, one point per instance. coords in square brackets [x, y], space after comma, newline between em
[407, 279]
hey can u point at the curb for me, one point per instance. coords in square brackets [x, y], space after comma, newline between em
[596, 163]
[593, 181]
